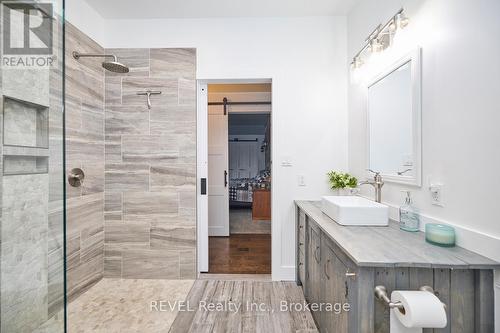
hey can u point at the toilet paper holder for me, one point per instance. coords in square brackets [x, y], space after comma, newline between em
[381, 295]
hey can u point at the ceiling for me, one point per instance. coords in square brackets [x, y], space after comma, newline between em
[149, 9]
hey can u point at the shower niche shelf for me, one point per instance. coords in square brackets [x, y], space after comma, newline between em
[25, 124]
[24, 165]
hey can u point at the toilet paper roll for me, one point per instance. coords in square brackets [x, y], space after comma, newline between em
[422, 309]
[397, 327]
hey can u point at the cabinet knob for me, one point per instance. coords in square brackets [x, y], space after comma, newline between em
[300, 243]
[301, 227]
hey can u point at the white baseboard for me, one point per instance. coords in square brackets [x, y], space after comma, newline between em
[283, 273]
[218, 231]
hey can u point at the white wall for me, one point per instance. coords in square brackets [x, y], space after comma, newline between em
[305, 58]
[86, 18]
[460, 110]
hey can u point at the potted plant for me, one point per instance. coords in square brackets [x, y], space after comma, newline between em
[342, 182]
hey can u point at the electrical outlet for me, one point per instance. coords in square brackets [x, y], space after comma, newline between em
[436, 194]
[301, 180]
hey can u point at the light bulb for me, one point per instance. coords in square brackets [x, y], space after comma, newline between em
[375, 45]
[393, 26]
[356, 62]
[401, 21]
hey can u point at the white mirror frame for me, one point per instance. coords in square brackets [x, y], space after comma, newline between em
[416, 80]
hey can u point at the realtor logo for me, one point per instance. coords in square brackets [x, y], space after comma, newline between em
[27, 28]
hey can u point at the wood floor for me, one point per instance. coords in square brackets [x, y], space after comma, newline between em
[240, 254]
[266, 315]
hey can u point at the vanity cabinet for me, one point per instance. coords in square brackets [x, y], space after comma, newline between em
[313, 263]
[336, 284]
[342, 265]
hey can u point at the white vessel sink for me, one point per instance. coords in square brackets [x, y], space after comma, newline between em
[353, 210]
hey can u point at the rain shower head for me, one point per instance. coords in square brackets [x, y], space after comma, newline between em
[112, 66]
[115, 66]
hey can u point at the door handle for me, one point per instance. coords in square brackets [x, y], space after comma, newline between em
[326, 269]
[316, 251]
[203, 183]
[225, 178]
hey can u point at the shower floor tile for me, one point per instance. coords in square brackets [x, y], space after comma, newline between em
[125, 305]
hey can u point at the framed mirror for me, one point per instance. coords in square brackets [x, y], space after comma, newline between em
[394, 122]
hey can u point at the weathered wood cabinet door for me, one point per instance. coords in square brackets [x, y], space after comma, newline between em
[334, 291]
[314, 269]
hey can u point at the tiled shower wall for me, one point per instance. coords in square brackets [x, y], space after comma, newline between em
[150, 166]
[31, 195]
[85, 150]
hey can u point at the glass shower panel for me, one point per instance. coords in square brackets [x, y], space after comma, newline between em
[32, 279]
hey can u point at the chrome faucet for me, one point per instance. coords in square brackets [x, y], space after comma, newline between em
[377, 184]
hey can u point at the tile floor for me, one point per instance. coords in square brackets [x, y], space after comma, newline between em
[266, 317]
[124, 306]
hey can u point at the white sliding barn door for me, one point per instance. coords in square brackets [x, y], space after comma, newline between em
[218, 177]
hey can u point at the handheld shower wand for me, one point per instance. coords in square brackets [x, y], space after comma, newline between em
[149, 93]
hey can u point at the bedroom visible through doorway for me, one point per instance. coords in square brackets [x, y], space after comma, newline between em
[239, 178]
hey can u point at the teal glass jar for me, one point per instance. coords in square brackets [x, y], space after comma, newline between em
[440, 234]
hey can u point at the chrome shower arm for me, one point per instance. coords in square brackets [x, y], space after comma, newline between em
[78, 55]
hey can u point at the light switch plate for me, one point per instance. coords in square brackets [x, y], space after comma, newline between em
[286, 161]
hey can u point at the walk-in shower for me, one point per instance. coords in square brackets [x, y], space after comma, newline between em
[112, 66]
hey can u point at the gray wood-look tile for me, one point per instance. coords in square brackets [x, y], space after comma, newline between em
[113, 216]
[164, 235]
[113, 148]
[113, 90]
[84, 276]
[187, 92]
[173, 63]
[94, 177]
[113, 201]
[85, 149]
[132, 85]
[126, 177]
[187, 263]
[92, 247]
[149, 206]
[137, 60]
[150, 164]
[127, 119]
[112, 267]
[173, 176]
[126, 233]
[150, 264]
[85, 214]
[149, 148]
[248, 319]
[172, 114]
[180, 128]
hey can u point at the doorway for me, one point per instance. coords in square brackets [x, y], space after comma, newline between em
[238, 183]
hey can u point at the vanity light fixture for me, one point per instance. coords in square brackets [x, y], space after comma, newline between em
[401, 20]
[381, 37]
[357, 62]
[376, 45]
